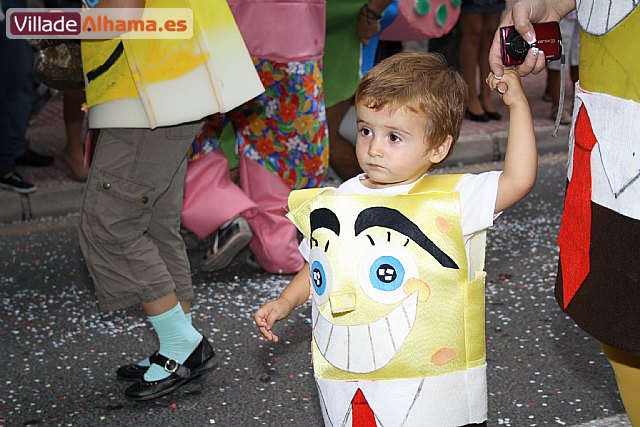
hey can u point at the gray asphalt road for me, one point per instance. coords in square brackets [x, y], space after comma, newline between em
[59, 352]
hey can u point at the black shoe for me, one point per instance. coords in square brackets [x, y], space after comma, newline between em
[31, 158]
[493, 115]
[16, 183]
[477, 117]
[133, 372]
[200, 360]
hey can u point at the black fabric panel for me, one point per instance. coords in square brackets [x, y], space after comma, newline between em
[607, 305]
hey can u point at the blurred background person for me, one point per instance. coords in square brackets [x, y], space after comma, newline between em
[19, 98]
[353, 27]
[280, 138]
[479, 20]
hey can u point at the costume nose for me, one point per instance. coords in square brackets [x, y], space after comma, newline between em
[342, 301]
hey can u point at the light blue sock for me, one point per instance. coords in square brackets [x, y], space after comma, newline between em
[177, 337]
[145, 363]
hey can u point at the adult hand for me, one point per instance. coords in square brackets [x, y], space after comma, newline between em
[523, 14]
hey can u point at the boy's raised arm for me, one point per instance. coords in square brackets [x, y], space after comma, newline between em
[521, 158]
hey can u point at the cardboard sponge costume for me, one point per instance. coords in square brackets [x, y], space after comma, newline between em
[397, 306]
[598, 283]
[164, 82]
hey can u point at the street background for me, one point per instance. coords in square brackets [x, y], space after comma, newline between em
[59, 352]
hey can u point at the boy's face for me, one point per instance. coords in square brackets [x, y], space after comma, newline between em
[391, 146]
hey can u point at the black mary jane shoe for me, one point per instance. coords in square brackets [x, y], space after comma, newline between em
[477, 117]
[493, 115]
[133, 372]
[200, 360]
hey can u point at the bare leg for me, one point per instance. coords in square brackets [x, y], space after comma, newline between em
[159, 306]
[471, 26]
[186, 306]
[342, 154]
[490, 23]
[74, 125]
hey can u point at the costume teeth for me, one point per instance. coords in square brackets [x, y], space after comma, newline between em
[367, 347]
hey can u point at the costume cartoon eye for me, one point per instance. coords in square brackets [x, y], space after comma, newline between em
[384, 270]
[321, 275]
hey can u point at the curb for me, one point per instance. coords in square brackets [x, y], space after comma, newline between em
[58, 199]
[491, 147]
[54, 199]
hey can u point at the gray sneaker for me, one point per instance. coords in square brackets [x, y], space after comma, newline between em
[229, 240]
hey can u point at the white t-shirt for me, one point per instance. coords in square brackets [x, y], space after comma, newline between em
[477, 201]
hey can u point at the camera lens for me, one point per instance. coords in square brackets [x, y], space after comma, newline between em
[519, 45]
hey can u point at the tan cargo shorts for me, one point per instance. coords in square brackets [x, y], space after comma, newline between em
[130, 217]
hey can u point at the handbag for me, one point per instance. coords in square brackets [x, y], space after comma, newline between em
[58, 63]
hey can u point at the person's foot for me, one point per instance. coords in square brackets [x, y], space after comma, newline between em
[476, 117]
[230, 239]
[134, 371]
[490, 110]
[475, 111]
[198, 362]
[31, 158]
[15, 182]
[77, 171]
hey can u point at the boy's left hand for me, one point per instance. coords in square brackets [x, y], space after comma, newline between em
[509, 86]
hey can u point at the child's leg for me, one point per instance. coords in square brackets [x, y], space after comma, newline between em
[626, 367]
[177, 337]
[145, 363]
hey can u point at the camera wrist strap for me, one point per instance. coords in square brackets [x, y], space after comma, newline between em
[556, 125]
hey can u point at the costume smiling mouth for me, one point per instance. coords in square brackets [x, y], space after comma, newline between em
[367, 347]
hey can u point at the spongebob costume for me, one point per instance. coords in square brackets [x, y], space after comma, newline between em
[398, 302]
[148, 83]
[598, 282]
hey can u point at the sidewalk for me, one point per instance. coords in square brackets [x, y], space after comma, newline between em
[58, 195]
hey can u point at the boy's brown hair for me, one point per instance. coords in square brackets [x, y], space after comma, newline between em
[422, 83]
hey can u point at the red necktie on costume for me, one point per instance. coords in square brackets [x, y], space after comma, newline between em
[575, 228]
[361, 413]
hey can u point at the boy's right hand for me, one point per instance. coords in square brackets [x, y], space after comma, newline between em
[269, 314]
